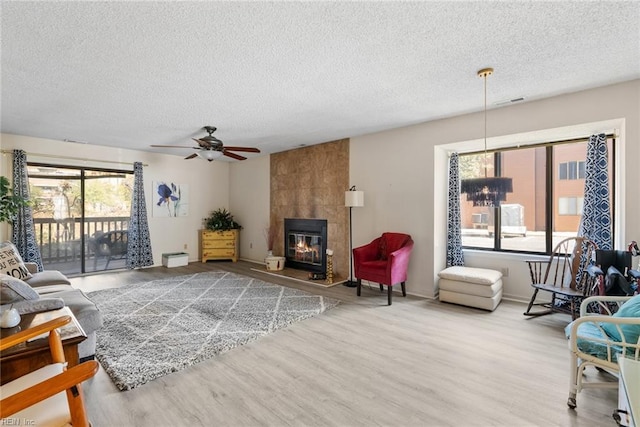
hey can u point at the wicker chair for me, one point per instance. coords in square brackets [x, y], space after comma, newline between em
[599, 337]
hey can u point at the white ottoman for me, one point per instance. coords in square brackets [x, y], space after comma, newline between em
[473, 287]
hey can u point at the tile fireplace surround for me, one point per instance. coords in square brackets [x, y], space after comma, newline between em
[310, 183]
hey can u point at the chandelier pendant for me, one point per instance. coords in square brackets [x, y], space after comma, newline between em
[487, 191]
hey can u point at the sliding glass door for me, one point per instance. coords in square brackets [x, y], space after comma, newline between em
[81, 216]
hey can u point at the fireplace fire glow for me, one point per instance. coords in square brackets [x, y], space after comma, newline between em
[305, 248]
[306, 244]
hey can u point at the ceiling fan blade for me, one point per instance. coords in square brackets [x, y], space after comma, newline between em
[191, 156]
[170, 146]
[245, 149]
[233, 155]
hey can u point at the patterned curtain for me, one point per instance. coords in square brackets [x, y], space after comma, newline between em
[595, 223]
[24, 234]
[454, 235]
[139, 252]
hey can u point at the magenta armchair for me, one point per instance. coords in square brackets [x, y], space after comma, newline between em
[385, 261]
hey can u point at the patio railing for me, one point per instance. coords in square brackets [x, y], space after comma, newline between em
[61, 241]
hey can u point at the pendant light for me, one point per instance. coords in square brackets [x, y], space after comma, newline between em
[490, 190]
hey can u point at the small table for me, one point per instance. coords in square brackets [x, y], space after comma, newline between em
[28, 356]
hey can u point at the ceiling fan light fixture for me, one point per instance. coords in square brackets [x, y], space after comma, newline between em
[211, 148]
[209, 155]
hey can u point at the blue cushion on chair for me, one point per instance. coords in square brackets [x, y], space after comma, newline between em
[630, 308]
[588, 333]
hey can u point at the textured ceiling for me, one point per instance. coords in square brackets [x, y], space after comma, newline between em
[283, 74]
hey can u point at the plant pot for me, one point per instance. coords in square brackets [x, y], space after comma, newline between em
[274, 263]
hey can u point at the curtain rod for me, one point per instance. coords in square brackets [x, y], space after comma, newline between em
[52, 156]
[542, 144]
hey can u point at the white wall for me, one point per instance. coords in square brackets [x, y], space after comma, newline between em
[403, 174]
[208, 185]
[249, 201]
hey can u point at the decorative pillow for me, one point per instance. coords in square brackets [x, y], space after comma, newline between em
[631, 308]
[589, 340]
[11, 262]
[13, 289]
[35, 306]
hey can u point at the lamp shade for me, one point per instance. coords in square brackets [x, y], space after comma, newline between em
[354, 199]
[209, 154]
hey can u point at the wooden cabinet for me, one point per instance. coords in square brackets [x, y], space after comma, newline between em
[219, 245]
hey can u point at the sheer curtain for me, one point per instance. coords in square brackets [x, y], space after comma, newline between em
[595, 223]
[454, 232]
[23, 230]
[139, 252]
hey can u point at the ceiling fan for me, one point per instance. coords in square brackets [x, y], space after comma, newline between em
[211, 148]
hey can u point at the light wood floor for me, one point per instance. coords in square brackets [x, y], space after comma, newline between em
[416, 363]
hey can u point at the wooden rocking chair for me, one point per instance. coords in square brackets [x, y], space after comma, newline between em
[565, 276]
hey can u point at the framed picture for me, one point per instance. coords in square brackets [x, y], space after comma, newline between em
[170, 199]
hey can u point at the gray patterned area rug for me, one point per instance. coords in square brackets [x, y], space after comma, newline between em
[155, 328]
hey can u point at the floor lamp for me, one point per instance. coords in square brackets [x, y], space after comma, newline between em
[352, 199]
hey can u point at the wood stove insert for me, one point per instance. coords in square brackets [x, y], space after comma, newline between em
[305, 244]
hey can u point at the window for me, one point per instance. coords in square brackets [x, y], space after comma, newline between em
[545, 205]
[73, 207]
[581, 168]
[571, 170]
[570, 205]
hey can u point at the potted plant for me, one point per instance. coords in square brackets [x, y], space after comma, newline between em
[10, 204]
[220, 237]
[220, 220]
